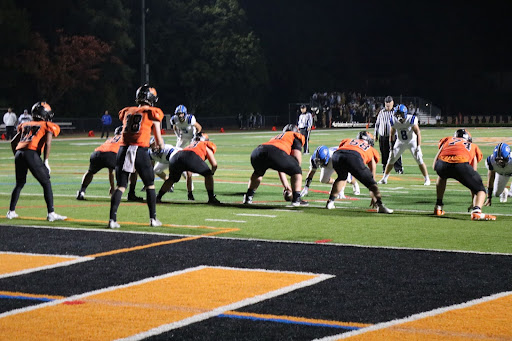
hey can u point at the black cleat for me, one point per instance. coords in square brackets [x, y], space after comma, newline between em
[133, 197]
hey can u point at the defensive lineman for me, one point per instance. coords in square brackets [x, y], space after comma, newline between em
[499, 170]
[408, 136]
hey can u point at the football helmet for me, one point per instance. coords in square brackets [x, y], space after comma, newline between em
[41, 111]
[400, 112]
[181, 111]
[201, 137]
[290, 127]
[502, 154]
[118, 130]
[463, 133]
[321, 156]
[146, 95]
[367, 136]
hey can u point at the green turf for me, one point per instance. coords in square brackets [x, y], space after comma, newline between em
[412, 224]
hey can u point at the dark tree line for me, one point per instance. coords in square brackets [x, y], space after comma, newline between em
[83, 56]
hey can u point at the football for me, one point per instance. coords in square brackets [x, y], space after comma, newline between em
[287, 195]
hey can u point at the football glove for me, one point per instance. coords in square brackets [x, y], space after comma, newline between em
[47, 164]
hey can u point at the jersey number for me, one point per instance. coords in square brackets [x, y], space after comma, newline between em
[403, 134]
[133, 122]
[363, 145]
[29, 132]
[464, 142]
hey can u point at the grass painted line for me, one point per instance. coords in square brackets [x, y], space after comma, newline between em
[227, 220]
[415, 317]
[255, 215]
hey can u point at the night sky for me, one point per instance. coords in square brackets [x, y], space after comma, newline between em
[449, 52]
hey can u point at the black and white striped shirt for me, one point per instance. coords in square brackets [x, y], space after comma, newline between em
[383, 123]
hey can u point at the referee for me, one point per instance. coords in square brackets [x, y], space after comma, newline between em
[305, 123]
[382, 129]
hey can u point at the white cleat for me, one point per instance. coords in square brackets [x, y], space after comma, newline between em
[11, 215]
[154, 222]
[330, 205]
[113, 224]
[384, 209]
[355, 188]
[504, 195]
[382, 182]
[427, 182]
[54, 216]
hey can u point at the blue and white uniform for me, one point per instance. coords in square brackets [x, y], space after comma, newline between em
[503, 174]
[185, 130]
[405, 139]
[162, 157]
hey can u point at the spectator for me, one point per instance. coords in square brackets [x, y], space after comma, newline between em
[10, 121]
[106, 122]
[25, 117]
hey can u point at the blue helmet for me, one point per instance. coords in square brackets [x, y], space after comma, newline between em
[400, 112]
[321, 156]
[180, 109]
[502, 153]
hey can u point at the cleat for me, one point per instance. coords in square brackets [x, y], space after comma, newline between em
[112, 224]
[341, 196]
[54, 216]
[330, 205]
[300, 202]
[438, 212]
[190, 196]
[382, 181]
[80, 195]
[355, 188]
[247, 199]
[482, 216]
[158, 200]
[427, 182]
[384, 209]
[11, 215]
[213, 201]
[153, 222]
[171, 190]
[400, 171]
[133, 197]
[504, 195]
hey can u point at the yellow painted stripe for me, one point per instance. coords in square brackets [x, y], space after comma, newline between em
[13, 262]
[490, 320]
[300, 319]
[136, 308]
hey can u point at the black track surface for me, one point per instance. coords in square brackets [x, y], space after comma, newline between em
[372, 285]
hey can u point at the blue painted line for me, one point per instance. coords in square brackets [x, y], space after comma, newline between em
[42, 299]
[287, 321]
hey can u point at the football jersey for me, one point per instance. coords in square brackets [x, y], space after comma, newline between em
[111, 145]
[287, 141]
[492, 165]
[165, 154]
[33, 134]
[362, 147]
[138, 123]
[186, 129]
[314, 166]
[458, 150]
[404, 130]
[199, 147]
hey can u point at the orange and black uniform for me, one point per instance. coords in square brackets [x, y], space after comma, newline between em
[353, 156]
[192, 159]
[455, 161]
[28, 157]
[105, 155]
[137, 128]
[276, 154]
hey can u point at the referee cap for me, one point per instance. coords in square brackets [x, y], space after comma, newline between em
[388, 99]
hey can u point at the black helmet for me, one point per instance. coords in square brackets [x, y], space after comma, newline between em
[367, 136]
[41, 111]
[464, 134]
[118, 130]
[290, 127]
[146, 95]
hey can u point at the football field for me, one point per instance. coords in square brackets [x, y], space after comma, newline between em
[267, 271]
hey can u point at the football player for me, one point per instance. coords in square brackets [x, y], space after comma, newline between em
[192, 159]
[322, 158]
[138, 124]
[457, 158]
[499, 170]
[104, 156]
[185, 126]
[358, 157]
[31, 138]
[408, 136]
[282, 153]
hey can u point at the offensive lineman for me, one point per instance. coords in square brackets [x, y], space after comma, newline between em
[408, 136]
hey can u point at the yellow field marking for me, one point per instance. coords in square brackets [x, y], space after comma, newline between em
[14, 263]
[299, 319]
[489, 320]
[152, 306]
